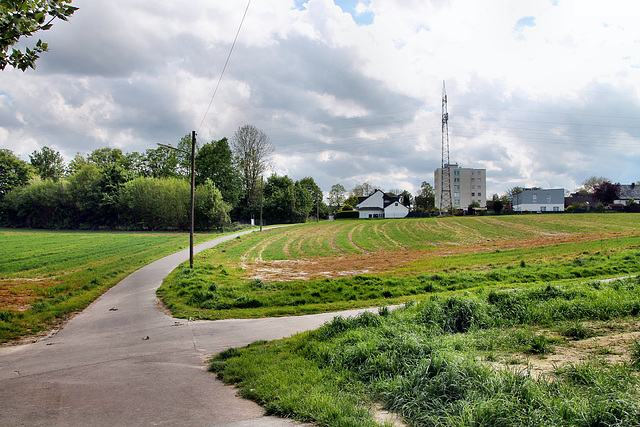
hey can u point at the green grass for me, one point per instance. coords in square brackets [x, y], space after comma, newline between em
[46, 276]
[220, 291]
[422, 361]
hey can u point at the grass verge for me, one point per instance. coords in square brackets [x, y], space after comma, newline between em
[433, 362]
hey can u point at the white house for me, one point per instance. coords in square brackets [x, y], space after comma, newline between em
[379, 205]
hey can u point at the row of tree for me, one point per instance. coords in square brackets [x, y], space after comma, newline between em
[111, 189]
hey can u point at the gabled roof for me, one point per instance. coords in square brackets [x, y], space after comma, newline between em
[387, 200]
[627, 192]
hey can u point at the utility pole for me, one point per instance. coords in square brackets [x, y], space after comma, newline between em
[193, 187]
[445, 187]
[193, 195]
[261, 200]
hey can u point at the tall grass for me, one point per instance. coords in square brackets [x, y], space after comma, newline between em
[422, 362]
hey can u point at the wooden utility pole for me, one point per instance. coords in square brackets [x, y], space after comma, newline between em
[261, 194]
[193, 194]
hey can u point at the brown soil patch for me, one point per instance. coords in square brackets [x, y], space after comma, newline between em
[347, 265]
[612, 343]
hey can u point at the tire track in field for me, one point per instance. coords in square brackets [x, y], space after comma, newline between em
[431, 229]
[474, 234]
[332, 240]
[259, 248]
[383, 233]
[353, 243]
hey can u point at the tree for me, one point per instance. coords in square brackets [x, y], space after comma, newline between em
[106, 156]
[364, 189]
[76, 164]
[211, 211]
[512, 191]
[316, 196]
[606, 192]
[406, 198]
[214, 161]
[23, 18]
[136, 163]
[336, 196]
[589, 184]
[162, 162]
[49, 164]
[14, 172]
[426, 200]
[253, 151]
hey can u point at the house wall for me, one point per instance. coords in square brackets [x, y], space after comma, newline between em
[543, 200]
[396, 210]
[371, 213]
[468, 185]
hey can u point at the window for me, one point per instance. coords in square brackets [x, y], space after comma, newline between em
[543, 208]
[456, 187]
[473, 187]
[456, 172]
[456, 179]
[457, 202]
[479, 172]
[473, 180]
[479, 187]
[548, 198]
[456, 194]
[535, 198]
[473, 194]
[473, 173]
[556, 209]
[479, 194]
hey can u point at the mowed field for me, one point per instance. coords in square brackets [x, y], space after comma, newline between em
[46, 276]
[350, 264]
[345, 248]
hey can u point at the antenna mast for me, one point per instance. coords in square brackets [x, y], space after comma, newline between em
[445, 188]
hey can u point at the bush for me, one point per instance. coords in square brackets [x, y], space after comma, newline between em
[347, 215]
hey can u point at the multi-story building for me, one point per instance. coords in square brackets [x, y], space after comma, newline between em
[468, 185]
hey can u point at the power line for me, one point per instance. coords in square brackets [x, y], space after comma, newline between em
[225, 66]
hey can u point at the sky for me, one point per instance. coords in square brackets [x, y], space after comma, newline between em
[540, 93]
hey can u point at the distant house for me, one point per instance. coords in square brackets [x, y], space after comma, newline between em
[626, 193]
[380, 205]
[539, 200]
[579, 199]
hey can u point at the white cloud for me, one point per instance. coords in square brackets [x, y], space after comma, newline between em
[347, 100]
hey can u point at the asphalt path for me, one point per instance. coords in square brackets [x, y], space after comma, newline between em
[124, 362]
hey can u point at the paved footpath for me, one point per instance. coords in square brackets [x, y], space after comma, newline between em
[123, 362]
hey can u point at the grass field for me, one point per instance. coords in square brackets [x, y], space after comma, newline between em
[351, 264]
[46, 276]
[503, 322]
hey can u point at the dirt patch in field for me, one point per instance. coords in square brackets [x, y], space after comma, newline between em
[347, 265]
[612, 343]
[17, 294]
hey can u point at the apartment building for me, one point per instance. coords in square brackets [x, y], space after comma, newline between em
[468, 185]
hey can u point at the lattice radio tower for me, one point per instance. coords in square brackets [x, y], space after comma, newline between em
[445, 188]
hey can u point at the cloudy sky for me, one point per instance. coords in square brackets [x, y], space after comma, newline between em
[540, 92]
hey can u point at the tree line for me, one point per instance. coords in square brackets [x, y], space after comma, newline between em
[151, 191]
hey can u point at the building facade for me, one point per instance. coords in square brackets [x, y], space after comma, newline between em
[539, 200]
[468, 185]
[380, 205]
